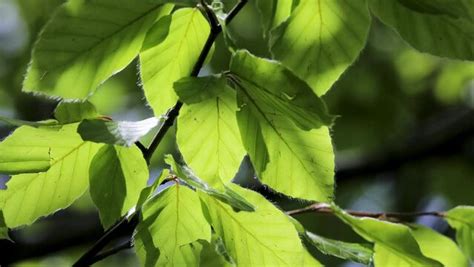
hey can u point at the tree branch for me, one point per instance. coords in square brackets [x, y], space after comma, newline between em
[326, 209]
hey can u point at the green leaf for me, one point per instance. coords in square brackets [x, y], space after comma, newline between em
[225, 194]
[291, 160]
[262, 238]
[22, 153]
[440, 35]
[117, 175]
[360, 253]
[439, 7]
[173, 58]
[86, 42]
[208, 135]
[273, 88]
[273, 13]
[394, 245]
[170, 224]
[30, 196]
[124, 133]
[461, 218]
[321, 39]
[67, 112]
[438, 247]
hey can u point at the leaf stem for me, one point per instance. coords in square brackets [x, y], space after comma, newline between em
[326, 209]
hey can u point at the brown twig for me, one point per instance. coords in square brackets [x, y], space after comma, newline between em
[326, 209]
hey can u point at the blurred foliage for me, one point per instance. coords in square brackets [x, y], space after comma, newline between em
[382, 98]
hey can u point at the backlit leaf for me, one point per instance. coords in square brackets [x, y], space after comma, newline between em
[265, 237]
[169, 227]
[293, 161]
[30, 196]
[394, 245]
[321, 39]
[208, 135]
[461, 218]
[173, 58]
[437, 246]
[86, 42]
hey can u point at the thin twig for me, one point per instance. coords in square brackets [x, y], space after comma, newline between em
[326, 209]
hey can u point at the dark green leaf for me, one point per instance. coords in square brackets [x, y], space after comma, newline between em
[74, 112]
[117, 176]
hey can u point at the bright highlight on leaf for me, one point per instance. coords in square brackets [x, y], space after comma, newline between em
[321, 39]
[265, 237]
[86, 42]
[30, 196]
[170, 224]
[117, 176]
[123, 133]
[173, 58]
[208, 135]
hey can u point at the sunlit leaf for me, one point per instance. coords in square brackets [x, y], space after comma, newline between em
[273, 88]
[264, 237]
[86, 42]
[169, 227]
[461, 218]
[321, 39]
[117, 176]
[124, 133]
[24, 152]
[437, 246]
[173, 58]
[394, 245]
[30, 196]
[438, 34]
[290, 160]
[208, 135]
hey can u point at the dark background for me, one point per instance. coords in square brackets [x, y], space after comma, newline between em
[403, 141]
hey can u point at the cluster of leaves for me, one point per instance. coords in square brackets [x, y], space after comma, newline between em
[268, 109]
